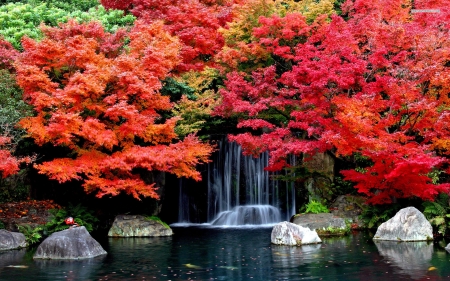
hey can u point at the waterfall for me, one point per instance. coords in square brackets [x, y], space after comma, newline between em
[240, 192]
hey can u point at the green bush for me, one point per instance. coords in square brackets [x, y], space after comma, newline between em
[315, 207]
[20, 19]
[79, 213]
[437, 213]
[374, 215]
[33, 235]
[12, 107]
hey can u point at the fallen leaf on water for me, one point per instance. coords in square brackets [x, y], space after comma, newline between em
[17, 266]
[188, 265]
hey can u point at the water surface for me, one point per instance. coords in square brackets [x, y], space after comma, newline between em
[205, 253]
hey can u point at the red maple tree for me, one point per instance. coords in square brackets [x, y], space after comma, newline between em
[196, 23]
[376, 85]
[97, 93]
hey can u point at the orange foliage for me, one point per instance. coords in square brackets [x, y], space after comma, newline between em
[99, 95]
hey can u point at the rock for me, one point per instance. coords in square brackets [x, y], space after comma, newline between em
[447, 248]
[11, 240]
[70, 244]
[322, 166]
[137, 226]
[409, 224]
[350, 208]
[286, 233]
[321, 223]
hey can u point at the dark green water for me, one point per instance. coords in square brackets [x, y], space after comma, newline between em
[200, 253]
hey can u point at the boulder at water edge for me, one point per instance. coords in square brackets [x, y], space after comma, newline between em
[138, 226]
[71, 244]
[11, 240]
[321, 223]
[447, 248]
[409, 224]
[286, 233]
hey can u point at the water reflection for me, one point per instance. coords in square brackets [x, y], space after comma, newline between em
[411, 258]
[290, 257]
[11, 258]
[72, 269]
[201, 253]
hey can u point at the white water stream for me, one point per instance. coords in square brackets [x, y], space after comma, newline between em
[240, 191]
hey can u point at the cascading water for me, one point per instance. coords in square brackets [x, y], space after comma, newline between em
[240, 191]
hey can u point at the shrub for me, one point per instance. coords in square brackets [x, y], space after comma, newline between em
[79, 213]
[437, 213]
[33, 235]
[315, 207]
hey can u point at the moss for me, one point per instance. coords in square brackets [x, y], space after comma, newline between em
[155, 218]
[333, 231]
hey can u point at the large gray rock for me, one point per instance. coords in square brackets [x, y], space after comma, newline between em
[320, 222]
[11, 240]
[70, 244]
[409, 224]
[137, 226]
[286, 233]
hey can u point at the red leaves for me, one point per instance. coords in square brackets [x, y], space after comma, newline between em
[99, 97]
[7, 55]
[9, 165]
[195, 23]
[394, 175]
[376, 84]
[14, 210]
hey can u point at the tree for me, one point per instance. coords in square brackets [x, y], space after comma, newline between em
[20, 19]
[97, 93]
[195, 23]
[375, 85]
[12, 109]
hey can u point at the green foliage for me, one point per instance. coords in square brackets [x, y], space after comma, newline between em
[374, 215]
[197, 94]
[334, 231]
[20, 19]
[315, 207]
[155, 218]
[79, 213]
[2, 225]
[437, 213]
[70, 5]
[12, 107]
[175, 90]
[341, 187]
[33, 235]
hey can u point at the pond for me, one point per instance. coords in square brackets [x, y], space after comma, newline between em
[205, 253]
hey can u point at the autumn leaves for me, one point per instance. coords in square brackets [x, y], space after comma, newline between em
[373, 81]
